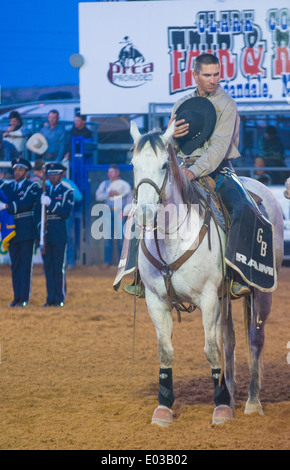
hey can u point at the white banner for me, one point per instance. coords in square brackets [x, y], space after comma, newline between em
[136, 53]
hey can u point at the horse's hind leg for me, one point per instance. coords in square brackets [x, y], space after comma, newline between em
[262, 302]
[162, 319]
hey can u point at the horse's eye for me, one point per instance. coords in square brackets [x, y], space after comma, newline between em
[165, 166]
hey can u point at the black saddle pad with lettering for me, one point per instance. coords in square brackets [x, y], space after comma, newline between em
[250, 250]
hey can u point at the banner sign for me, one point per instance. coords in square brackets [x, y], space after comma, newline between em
[136, 53]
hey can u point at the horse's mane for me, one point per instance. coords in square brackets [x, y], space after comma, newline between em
[186, 188]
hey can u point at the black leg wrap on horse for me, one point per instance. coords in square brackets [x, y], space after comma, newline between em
[221, 393]
[165, 395]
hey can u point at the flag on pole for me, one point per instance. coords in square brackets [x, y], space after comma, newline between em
[7, 224]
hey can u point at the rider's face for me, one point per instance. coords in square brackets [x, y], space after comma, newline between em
[207, 79]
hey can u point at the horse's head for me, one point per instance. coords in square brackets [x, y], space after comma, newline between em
[151, 171]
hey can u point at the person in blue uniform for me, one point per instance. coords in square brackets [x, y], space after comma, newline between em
[22, 196]
[59, 200]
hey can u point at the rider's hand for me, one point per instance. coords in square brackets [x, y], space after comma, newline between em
[181, 127]
[190, 175]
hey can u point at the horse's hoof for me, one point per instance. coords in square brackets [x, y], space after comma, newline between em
[162, 416]
[254, 407]
[221, 414]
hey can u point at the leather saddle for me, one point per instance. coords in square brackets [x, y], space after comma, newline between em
[207, 186]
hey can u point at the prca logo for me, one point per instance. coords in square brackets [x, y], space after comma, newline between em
[131, 69]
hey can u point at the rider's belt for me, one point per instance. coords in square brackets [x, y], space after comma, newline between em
[53, 217]
[21, 215]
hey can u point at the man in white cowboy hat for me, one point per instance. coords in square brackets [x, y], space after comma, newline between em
[37, 143]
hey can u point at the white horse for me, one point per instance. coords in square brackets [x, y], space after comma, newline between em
[170, 280]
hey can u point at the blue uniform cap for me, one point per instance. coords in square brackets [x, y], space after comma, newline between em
[22, 163]
[54, 168]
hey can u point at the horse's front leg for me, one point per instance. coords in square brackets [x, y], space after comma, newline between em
[256, 332]
[210, 308]
[160, 313]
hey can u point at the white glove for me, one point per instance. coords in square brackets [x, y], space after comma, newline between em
[2, 205]
[45, 200]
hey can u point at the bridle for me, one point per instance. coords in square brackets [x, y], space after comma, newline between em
[160, 191]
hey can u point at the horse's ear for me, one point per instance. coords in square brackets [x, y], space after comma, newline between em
[167, 136]
[134, 131]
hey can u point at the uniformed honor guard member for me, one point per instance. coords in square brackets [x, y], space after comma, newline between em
[22, 196]
[59, 200]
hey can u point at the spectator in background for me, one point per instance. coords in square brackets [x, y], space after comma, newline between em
[79, 129]
[262, 175]
[55, 136]
[38, 172]
[13, 140]
[7, 151]
[117, 195]
[287, 189]
[271, 149]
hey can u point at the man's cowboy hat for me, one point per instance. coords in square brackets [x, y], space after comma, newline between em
[200, 114]
[37, 144]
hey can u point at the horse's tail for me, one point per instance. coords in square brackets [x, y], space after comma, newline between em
[247, 323]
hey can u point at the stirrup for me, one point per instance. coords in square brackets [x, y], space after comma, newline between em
[139, 290]
[239, 290]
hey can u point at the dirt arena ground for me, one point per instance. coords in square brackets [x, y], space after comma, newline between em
[68, 378]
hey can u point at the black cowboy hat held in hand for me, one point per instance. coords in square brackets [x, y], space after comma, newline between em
[200, 114]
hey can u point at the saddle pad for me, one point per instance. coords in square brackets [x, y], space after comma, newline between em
[250, 250]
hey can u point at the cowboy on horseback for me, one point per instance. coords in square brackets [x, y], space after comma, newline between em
[206, 137]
